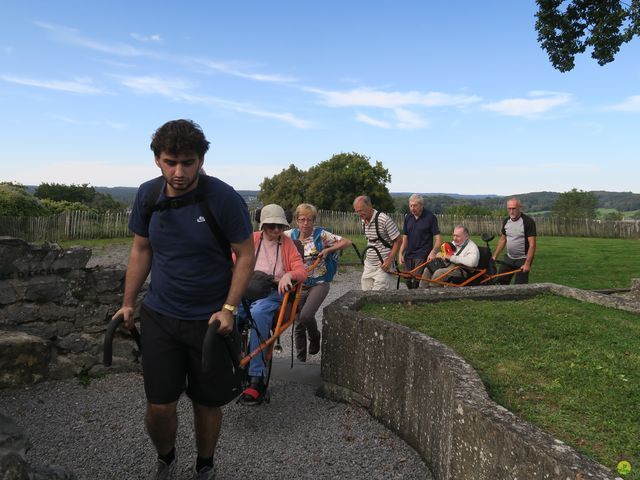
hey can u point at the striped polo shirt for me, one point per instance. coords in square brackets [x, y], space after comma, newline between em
[388, 231]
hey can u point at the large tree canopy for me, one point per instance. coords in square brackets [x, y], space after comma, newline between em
[330, 185]
[287, 188]
[567, 28]
[334, 183]
[576, 204]
[70, 193]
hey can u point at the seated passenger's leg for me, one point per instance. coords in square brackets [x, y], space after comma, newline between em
[448, 273]
[262, 313]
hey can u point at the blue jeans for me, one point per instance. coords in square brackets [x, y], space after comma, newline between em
[262, 312]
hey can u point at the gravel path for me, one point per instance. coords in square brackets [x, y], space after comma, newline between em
[97, 431]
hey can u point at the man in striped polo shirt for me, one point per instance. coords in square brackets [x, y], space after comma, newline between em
[383, 243]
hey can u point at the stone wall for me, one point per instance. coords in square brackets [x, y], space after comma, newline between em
[53, 313]
[433, 399]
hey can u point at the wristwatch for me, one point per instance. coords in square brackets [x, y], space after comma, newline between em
[232, 308]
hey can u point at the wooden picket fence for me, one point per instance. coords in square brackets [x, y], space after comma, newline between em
[81, 225]
[70, 225]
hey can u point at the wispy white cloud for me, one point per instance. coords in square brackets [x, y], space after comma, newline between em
[175, 89]
[397, 103]
[235, 69]
[361, 117]
[73, 37]
[146, 38]
[180, 90]
[365, 97]
[408, 120]
[539, 102]
[79, 85]
[630, 104]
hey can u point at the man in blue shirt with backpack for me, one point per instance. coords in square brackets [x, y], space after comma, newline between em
[186, 225]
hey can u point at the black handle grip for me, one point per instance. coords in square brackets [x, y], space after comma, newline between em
[207, 346]
[107, 348]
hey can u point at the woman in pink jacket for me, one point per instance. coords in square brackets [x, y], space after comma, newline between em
[277, 255]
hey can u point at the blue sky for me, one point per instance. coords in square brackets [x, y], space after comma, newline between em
[450, 96]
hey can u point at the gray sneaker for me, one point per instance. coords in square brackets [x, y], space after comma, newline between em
[164, 471]
[206, 473]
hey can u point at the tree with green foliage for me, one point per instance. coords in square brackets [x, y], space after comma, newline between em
[103, 202]
[335, 183]
[576, 204]
[15, 201]
[76, 197]
[567, 28]
[287, 188]
[70, 193]
[330, 185]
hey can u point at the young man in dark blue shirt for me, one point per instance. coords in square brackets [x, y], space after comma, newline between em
[192, 284]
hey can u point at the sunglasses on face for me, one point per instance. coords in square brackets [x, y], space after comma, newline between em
[273, 226]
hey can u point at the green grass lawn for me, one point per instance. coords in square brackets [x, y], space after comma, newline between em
[589, 263]
[570, 367]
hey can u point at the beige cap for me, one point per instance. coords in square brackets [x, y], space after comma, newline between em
[273, 213]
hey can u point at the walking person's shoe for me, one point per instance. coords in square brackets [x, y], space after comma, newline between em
[205, 473]
[314, 342]
[164, 471]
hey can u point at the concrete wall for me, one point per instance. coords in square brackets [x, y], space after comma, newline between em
[433, 399]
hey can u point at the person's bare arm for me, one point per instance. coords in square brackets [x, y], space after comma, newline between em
[242, 271]
[403, 247]
[386, 265]
[437, 243]
[501, 243]
[530, 254]
[137, 271]
[336, 247]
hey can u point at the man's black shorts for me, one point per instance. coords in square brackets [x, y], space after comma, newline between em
[172, 362]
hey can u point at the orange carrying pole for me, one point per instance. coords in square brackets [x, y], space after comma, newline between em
[281, 326]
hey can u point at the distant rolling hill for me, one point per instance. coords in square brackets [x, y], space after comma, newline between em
[533, 201]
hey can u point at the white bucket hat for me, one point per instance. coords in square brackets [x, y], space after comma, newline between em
[273, 213]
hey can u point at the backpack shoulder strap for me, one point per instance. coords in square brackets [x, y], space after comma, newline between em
[151, 199]
[382, 240]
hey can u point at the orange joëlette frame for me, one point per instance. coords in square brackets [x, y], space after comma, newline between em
[476, 273]
[281, 325]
